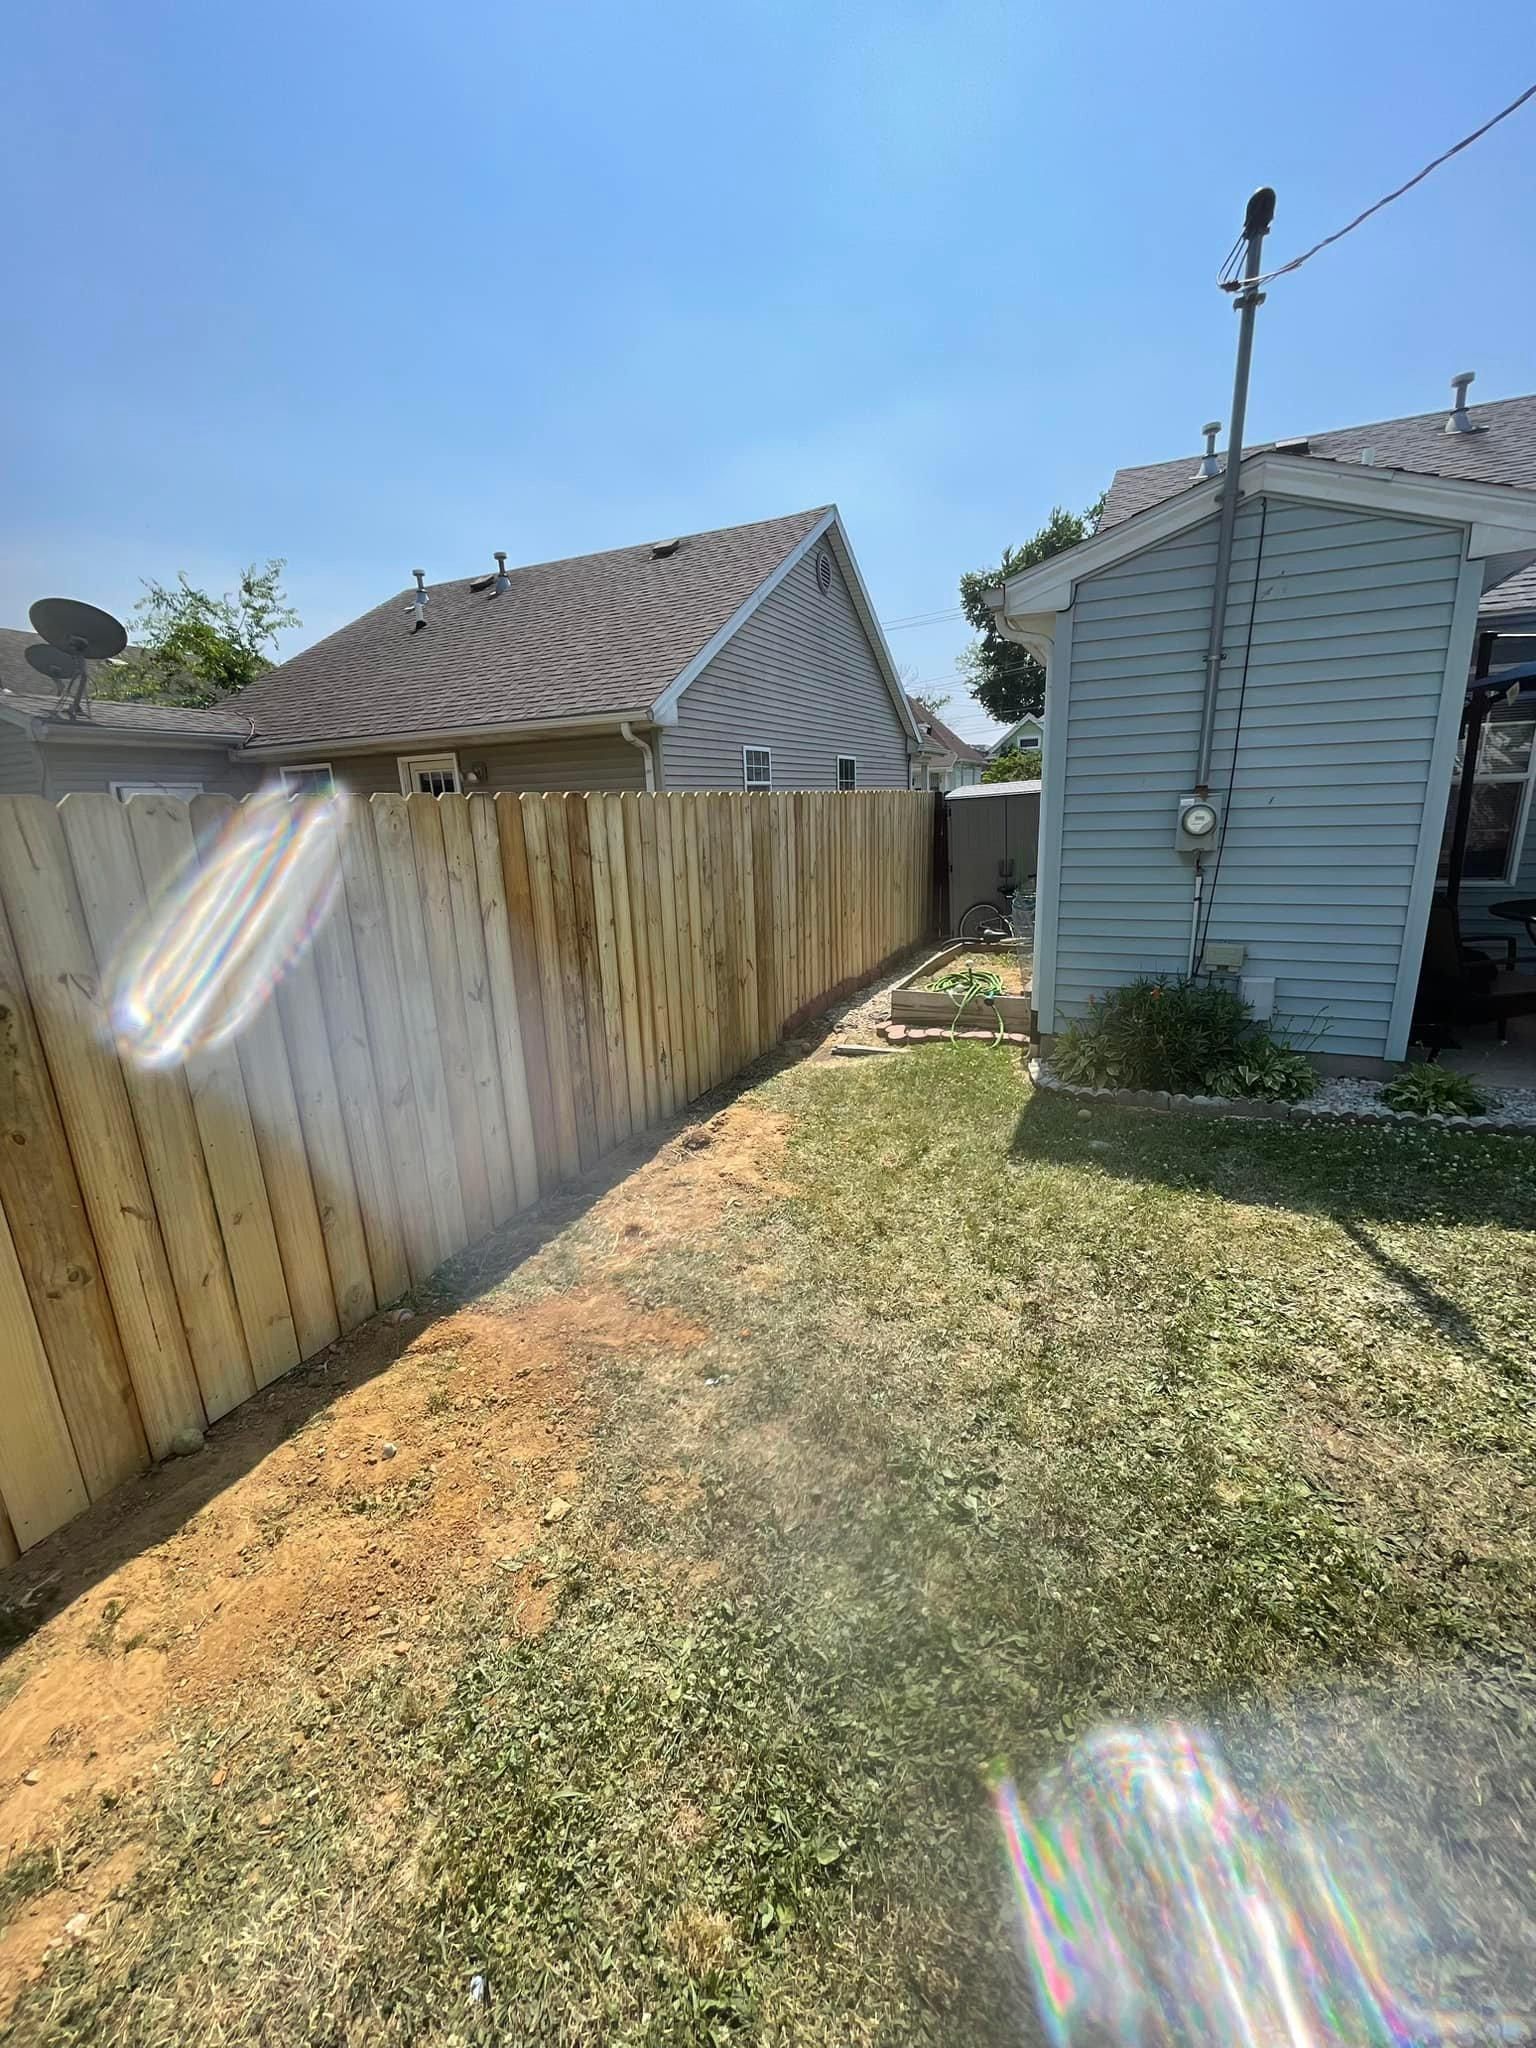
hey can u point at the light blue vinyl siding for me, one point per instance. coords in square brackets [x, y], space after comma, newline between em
[1349, 640]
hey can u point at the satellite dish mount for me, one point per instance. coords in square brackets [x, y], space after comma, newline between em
[74, 633]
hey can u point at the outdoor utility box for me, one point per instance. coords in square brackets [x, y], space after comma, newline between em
[993, 832]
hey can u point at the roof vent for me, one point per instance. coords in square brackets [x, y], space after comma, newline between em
[1460, 420]
[660, 549]
[503, 581]
[823, 572]
[1293, 447]
[418, 604]
[1210, 461]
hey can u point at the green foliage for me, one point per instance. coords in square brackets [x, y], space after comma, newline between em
[196, 649]
[1006, 681]
[1266, 1070]
[1433, 1090]
[1019, 764]
[1193, 1037]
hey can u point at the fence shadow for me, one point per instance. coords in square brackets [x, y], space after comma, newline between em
[1358, 1177]
[150, 1509]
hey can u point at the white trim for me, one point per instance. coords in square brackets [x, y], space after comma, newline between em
[1500, 519]
[627, 732]
[1053, 778]
[746, 780]
[182, 791]
[1437, 791]
[829, 526]
[304, 768]
[438, 737]
[410, 765]
[853, 763]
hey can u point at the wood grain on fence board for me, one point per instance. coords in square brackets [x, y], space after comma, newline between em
[609, 996]
[48, 925]
[624, 946]
[40, 1480]
[551, 985]
[666, 900]
[418, 1015]
[578, 825]
[40, 1192]
[507, 1012]
[445, 989]
[634, 859]
[378, 984]
[165, 847]
[530, 995]
[112, 896]
[325, 1143]
[474, 974]
[573, 1005]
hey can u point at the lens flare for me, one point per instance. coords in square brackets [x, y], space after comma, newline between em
[1160, 1905]
[217, 942]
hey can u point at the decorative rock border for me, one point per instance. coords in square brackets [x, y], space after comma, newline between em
[1336, 1102]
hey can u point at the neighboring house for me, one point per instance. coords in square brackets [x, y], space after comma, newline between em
[1361, 590]
[124, 748]
[1028, 737]
[746, 658]
[946, 761]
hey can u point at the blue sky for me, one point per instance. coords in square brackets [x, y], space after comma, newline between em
[386, 286]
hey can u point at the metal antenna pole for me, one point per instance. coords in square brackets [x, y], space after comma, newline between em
[1256, 225]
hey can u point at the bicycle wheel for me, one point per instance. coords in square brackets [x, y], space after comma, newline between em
[982, 921]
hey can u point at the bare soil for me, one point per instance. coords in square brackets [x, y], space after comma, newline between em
[322, 1522]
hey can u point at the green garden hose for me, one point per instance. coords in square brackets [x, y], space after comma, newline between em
[971, 985]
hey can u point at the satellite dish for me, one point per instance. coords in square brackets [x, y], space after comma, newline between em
[79, 629]
[52, 662]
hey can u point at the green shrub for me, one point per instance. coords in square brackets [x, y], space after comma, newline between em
[1266, 1071]
[1433, 1090]
[1192, 1037]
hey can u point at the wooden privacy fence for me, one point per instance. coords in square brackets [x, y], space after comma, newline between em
[506, 988]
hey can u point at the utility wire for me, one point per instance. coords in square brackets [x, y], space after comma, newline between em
[1230, 283]
[921, 619]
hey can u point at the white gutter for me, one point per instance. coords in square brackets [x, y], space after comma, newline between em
[627, 731]
[453, 735]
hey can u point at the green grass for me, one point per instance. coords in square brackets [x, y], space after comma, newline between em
[1021, 1421]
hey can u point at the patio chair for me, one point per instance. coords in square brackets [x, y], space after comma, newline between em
[1459, 988]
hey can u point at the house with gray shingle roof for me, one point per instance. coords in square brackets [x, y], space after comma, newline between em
[1373, 569]
[946, 761]
[749, 657]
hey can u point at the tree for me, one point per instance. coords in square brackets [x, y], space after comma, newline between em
[194, 649]
[1008, 683]
[1019, 764]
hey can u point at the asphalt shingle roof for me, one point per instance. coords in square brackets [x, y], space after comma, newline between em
[1504, 453]
[23, 689]
[588, 636]
[929, 722]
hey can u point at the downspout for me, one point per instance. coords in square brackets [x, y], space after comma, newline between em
[1256, 224]
[627, 731]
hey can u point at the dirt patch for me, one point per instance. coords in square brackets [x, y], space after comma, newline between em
[318, 1530]
[736, 1156]
[73, 1911]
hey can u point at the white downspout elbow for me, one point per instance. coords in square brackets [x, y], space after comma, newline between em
[629, 733]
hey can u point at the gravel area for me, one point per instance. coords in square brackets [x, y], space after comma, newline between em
[1509, 1109]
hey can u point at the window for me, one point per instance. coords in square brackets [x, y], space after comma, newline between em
[756, 768]
[847, 772]
[308, 778]
[1501, 794]
[429, 774]
[185, 791]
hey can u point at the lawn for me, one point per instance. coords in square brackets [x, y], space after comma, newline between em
[888, 1431]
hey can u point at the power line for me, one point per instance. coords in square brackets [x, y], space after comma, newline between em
[922, 619]
[1232, 284]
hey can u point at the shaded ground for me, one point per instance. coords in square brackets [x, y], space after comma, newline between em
[886, 1428]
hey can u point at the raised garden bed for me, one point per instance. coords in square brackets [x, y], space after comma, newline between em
[916, 1002]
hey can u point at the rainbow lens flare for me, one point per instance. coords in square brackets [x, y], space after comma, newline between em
[218, 941]
[1160, 1905]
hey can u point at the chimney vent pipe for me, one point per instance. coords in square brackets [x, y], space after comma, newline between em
[1460, 420]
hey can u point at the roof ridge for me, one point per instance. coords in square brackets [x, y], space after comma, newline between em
[811, 512]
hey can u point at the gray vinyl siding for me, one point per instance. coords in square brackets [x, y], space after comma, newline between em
[1349, 648]
[21, 767]
[799, 678]
[583, 761]
[71, 764]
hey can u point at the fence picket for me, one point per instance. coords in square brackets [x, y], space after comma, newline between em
[610, 1005]
[530, 995]
[40, 1192]
[97, 833]
[507, 1011]
[469, 935]
[551, 971]
[40, 1480]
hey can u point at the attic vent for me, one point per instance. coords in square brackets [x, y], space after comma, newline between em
[1293, 447]
[823, 573]
[660, 549]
